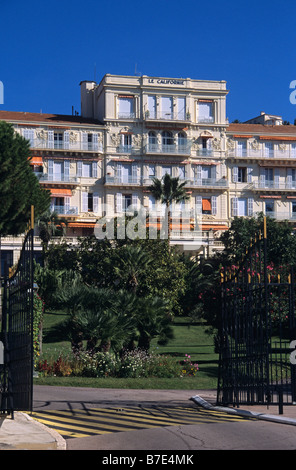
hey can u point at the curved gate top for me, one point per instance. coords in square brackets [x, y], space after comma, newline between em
[257, 330]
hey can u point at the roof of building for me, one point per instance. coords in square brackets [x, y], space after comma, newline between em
[50, 119]
[261, 129]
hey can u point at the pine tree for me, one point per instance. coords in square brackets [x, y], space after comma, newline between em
[19, 187]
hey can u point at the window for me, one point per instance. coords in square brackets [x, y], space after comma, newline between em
[90, 202]
[182, 141]
[166, 107]
[166, 170]
[206, 205]
[205, 111]
[87, 169]
[242, 206]
[152, 140]
[151, 171]
[242, 175]
[269, 207]
[167, 139]
[181, 172]
[152, 107]
[241, 148]
[58, 170]
[126, 107]
[58, 140]
[293, 209]
[126, 142]
[268, 150]
[181, 111]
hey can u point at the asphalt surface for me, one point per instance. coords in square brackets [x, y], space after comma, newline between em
[24, 432]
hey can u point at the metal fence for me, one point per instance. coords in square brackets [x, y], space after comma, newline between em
[16, 370]
[257, 328]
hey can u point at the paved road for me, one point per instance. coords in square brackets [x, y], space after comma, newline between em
[107, 419]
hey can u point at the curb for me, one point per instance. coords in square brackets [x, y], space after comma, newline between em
[251, 414]
[60, 441]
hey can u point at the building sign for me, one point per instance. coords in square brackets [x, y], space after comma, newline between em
[166, 81]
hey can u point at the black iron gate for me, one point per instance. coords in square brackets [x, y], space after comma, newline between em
[16, 370]
[257, 330]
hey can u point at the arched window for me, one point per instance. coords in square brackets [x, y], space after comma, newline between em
[167, 138]
[182, 141]
[152, 140]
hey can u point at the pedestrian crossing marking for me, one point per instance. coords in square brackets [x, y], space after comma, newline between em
[85, 422]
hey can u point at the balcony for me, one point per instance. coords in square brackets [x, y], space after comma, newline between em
[274, 186]
[56, 178]
[169, 149]
[262, 154]
[207, 183]
[168, 116]
[122, 180]
[63, 145]
[206, 120]
[64, 210]
[291, 216]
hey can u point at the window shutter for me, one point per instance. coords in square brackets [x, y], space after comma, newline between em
[235, 174]
[66, 140]
[66, 170]
[67, 205]
[134, 172]
[95, 202]
[94, 169]
[213, 172]
[289, 177]
[119, 171]
[214, 205]
[198, 204]
[199, 174]
[95, 141]
[79, 168]
[84, 201]
[234, 203]
[250, 206]
[50, 169]
[118, 203]
[50, 137]
[84, 142]
[276, 177]
[262, 178]
[135, 200]
[249, 175]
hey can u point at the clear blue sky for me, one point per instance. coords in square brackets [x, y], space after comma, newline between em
[48, 47]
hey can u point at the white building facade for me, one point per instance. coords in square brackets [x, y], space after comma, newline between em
[133, 129]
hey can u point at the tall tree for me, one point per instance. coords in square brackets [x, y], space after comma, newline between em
[168, 190]
[19, 187]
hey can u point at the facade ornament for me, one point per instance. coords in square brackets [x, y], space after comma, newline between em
[42, 134]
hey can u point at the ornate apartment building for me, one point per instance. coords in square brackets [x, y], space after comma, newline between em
[132, 129]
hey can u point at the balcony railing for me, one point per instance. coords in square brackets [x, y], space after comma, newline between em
[261, 153]
[207, 182]
[128, 115]
[206, 120]
[168, 116]
[122, 179]
[281, 215]
[64, 210]
[59, 177]
[172, 149]
[274, 185]
[63, 145]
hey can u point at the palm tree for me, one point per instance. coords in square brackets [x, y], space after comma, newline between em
[168, 190]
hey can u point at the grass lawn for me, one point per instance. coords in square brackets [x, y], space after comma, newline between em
[190, 339]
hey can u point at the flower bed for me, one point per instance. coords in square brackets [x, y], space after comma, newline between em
[132, 364]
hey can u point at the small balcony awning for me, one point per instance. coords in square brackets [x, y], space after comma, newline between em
[60, 192]
[36, 161]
